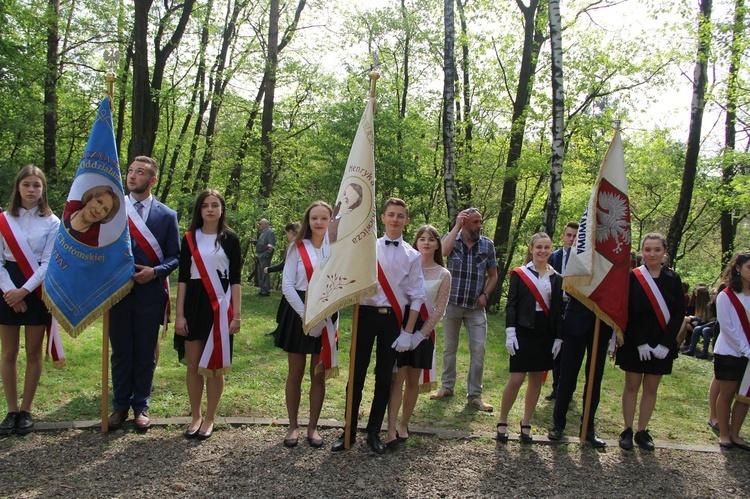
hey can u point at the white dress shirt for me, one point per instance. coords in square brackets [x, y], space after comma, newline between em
[405, 266]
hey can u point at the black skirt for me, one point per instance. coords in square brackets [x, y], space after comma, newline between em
[534, 351]
[36, 311]
[199, 316]
[420, 357]
[729, 367]
[629, 360]
[289, 334]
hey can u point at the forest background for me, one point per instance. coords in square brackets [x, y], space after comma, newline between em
[508, 106]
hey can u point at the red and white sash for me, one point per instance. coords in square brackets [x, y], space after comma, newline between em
[146, 240]
[216, 358]
[535, 286]
[26, 261]
[743, 394]
[328, 358]
[654, 295]
[392, 291]
[428, 378]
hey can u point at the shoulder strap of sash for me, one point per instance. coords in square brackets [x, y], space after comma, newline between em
[393, 293]
[19, 247]
[142, 235]
[305, 256]
[654, 295]
[741, 312]
[531, 282]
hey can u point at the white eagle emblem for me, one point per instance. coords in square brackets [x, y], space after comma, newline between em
[610, 220]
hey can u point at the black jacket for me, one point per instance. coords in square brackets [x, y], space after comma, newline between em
[520, 309]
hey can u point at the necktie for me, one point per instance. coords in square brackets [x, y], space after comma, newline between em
[139, 208]
[387, 242]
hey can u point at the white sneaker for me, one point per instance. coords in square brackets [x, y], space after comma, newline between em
[479, 404]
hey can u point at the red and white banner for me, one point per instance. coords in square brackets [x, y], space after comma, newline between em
[598, 269]
[532, 282]
[146, 240]
[216, 359]
[328, 360]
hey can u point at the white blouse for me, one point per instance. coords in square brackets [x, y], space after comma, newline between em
[40, 234]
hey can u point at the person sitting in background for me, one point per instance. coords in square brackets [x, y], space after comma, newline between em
[703, 322]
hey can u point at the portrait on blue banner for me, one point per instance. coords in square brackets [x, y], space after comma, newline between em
[93, 213]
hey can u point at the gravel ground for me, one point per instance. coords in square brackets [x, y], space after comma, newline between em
[251, 462]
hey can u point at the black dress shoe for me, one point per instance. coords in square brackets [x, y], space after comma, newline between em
[644, 440]
[290, 442]
[338, 445]
[626, 439]
[315, 443]
[551, 396]
[8, 425]
[403, 439]
[555, 434]
[393, 445]
[377, 445]
[24, 423]
[205, 435]
[596, 442]
[190, 434]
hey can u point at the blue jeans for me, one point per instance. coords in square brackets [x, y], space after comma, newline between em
[704, 330]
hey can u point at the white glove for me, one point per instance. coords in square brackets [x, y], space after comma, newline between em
[556, 347]
[644, 351]
[416, 339]
[403, 342]
[316, 331]
[612, 343]
[511, 342]
[660, 351]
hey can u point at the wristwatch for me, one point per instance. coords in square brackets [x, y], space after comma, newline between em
[486, 295]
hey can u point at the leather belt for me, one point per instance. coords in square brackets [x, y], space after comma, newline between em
[379, 310]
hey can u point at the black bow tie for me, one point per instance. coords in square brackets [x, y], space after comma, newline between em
[387, 242]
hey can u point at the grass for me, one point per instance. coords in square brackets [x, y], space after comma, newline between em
[256, 386]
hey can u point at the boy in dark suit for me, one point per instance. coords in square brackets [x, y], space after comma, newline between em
[135, 320]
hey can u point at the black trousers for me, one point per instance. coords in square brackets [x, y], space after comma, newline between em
[571, 357]
[379, 330]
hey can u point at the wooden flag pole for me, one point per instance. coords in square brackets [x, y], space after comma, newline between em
[105, 371]
[590, 382]
[350, 384]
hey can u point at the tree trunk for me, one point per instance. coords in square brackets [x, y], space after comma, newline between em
[464, 150]
[198, 90]
[233, 192]
[449, 89]
[405, 89]
[700, 78]
[532, 44]
[266, 120]
[728, 227]
[145, 105]
[220, 80]
[50, 91]
[558, 120]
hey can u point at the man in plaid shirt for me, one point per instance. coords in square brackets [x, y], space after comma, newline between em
[473, 268]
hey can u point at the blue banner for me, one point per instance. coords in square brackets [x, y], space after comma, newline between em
[92, 263]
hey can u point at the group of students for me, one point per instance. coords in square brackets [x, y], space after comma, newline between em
[656, 310]
[208, 309]
[404, 336]
[399, 321]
